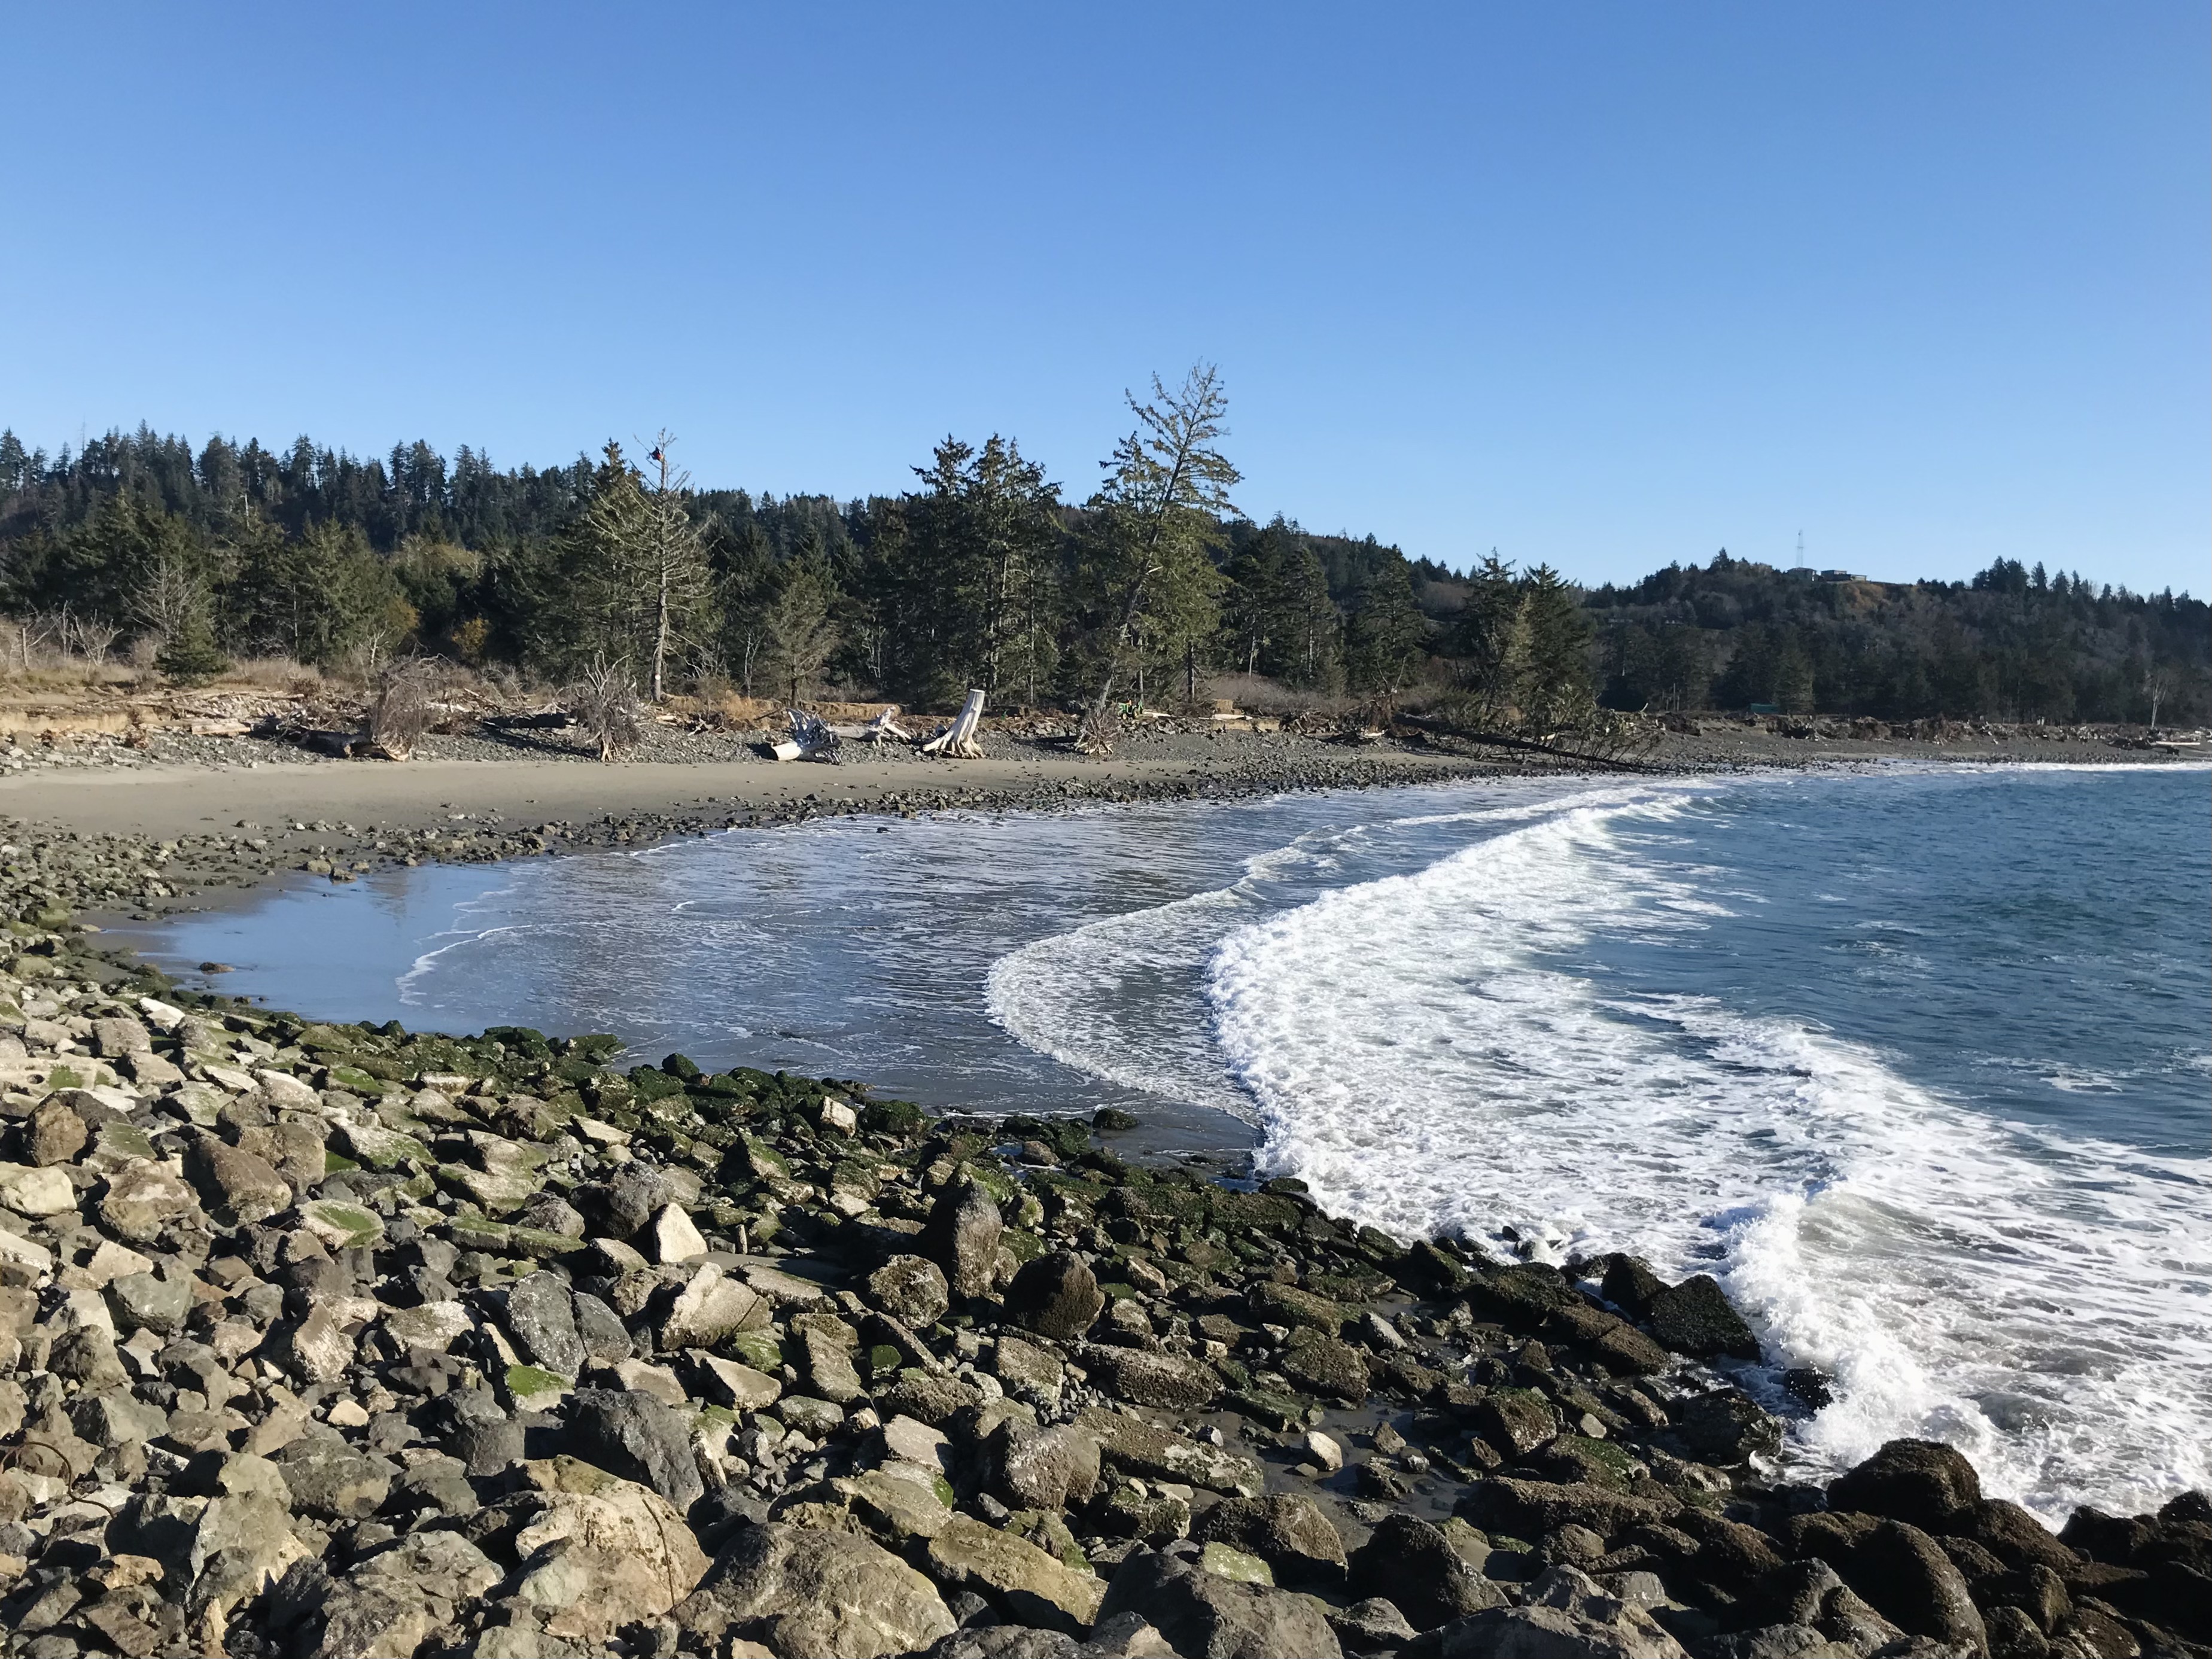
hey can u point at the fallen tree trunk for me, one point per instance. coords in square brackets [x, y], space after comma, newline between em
[1530, 746]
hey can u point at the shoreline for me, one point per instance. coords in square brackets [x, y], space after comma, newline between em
[327, 1339]
[204, 830]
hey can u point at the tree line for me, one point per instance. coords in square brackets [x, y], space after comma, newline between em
[986, 572]
[2012, 643]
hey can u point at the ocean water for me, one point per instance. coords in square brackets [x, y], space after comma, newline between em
[1917, 1062]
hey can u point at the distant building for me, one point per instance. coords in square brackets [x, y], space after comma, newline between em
[1803, 572]
[1836, 576]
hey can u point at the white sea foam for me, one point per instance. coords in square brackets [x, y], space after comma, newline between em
[1434, 1051]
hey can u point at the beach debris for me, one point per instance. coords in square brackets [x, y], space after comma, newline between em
[811, 739]
[958, 739]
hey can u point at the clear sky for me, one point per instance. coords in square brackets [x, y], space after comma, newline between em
[1602, 282]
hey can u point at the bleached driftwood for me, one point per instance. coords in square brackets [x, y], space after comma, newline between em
[884, 727]
[959, 739]
[809, 739]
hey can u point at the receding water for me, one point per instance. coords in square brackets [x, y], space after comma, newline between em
[1916, 1061]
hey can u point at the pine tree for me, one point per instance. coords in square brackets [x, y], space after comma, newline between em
[189, 654]
[1384, 641]
[630, 581]
[797, 633]
[1146, 566]
[1490, 639]
[1554, 685]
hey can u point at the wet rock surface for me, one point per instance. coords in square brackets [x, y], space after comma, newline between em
[322, 1340]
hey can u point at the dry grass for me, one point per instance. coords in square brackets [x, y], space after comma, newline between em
[1255, 694]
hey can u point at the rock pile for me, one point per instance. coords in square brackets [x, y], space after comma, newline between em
[337, 1341]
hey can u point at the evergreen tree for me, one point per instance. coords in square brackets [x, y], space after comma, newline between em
[1145, 565]
[188, 653]
[1254, 596]
[1383, 642]
[1554, 679]
[797, 633]
[1310, 659]
[1490, 638]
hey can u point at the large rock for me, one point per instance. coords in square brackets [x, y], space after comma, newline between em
[1130, 1446]
[599, 1552]
[1036, 1588]
[710, 1310]
[812, 1593]
[1324, 1366]
[2016, 1537]
[1695, 1317]
[1516, 1421]
[329, 1478]
[828, 1346]
[1124, 1636]
[237, 1187]
[1162, 1380]
[1563, 1615]
[1412, 1565]
[55, 1134]
[1900, 1570]
[674, 1236]
[1055, 1295]
[542, 1320]
[1204, 1615]
[1529, 1509]
[1289, 1531]
[962, 1236]
[637, 1438]
[1035, 1468]
[147, 1301]
[1921, 1482]
[911, 1289]
[36, 1190]
[1726, 1425]
[399, 1598]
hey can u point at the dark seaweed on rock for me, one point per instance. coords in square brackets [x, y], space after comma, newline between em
[327, 1340]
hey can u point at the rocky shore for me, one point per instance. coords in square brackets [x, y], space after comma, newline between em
[336, 1340]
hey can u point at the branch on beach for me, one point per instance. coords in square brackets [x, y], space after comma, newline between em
[1605, 740]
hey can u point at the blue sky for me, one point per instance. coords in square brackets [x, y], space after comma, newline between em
[1601, 284]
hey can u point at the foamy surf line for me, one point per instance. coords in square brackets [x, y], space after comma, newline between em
[1424, 1054]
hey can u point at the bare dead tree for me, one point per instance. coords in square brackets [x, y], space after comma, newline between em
[405, 705]
[165, 599]
[604, 701]
[95, 637]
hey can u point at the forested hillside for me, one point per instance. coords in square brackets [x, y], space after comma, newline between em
[983, 573]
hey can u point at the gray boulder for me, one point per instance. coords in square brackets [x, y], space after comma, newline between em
[1055, 1295]
[1695, 1317]
[1035, 1468]
[962, 1236]
[1563, 1615]
[542, 1320]
[638, 1437]
[805, 1591]
[1920, 1482]
[328, 1478]
[1290, 1532]
[1412, 1565]
[1204, 1616]
[1150, 1379]
[911, 1289]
